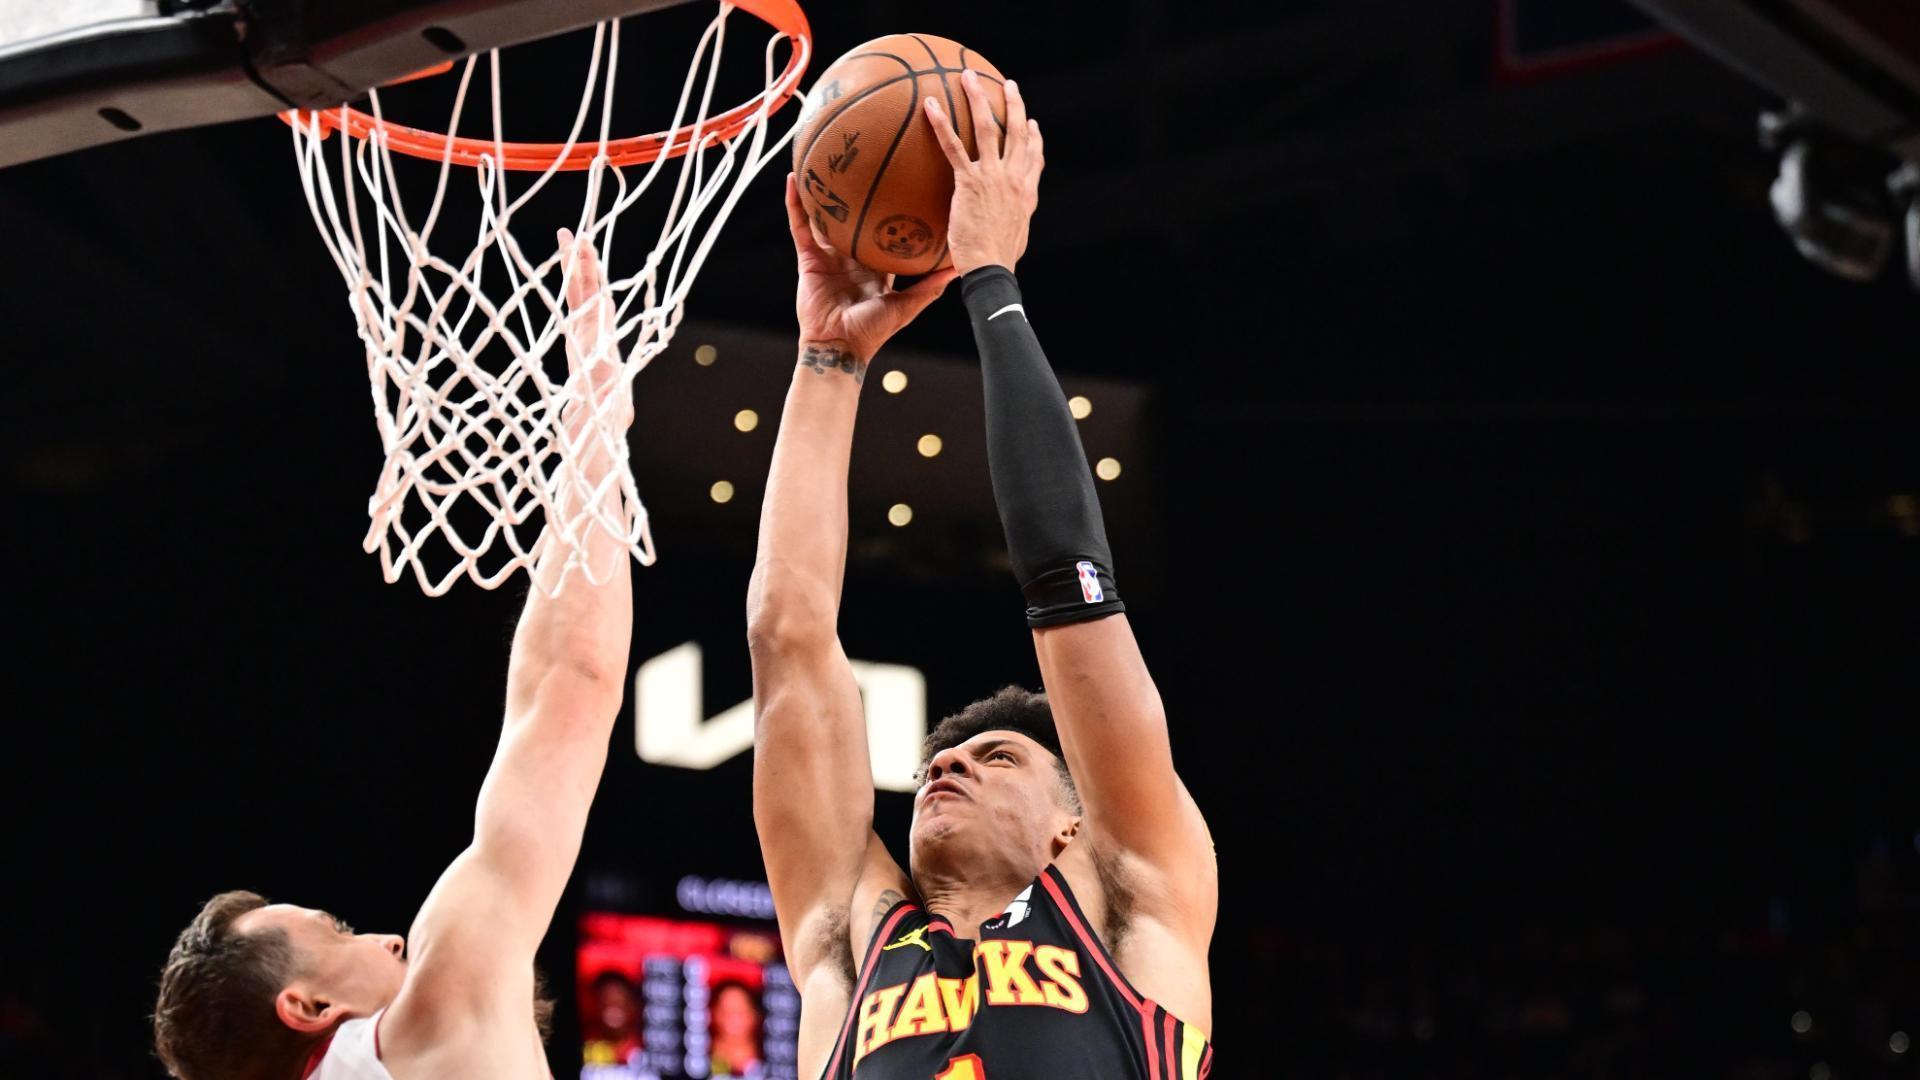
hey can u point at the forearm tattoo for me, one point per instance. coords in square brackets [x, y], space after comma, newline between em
[825, 356]
[886, 902]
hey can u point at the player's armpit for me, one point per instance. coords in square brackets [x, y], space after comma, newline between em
[1113, 729]
[469, 971]
[813, 801]
[882, 886]
[826, 944]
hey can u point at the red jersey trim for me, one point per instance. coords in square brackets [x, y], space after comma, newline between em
[866, 975]
[1069, 905]
[1063, 898]
[319, 1054]
[1057, 888]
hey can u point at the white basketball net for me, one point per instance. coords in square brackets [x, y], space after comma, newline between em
[466, 395]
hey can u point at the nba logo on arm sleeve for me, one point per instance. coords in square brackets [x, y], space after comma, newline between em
[1089, 582]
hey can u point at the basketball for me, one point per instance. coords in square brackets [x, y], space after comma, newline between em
[870, 172]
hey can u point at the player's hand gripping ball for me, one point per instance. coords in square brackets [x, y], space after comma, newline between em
[875, 182]
[996, 190]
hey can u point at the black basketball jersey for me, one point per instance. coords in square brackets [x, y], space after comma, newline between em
[1034, 996]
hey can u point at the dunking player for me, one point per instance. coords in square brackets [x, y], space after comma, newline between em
[275, 992]
[1062, 891]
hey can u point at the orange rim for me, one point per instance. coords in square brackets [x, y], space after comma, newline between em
[783, 15]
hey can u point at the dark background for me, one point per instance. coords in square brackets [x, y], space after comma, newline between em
[1533, 567]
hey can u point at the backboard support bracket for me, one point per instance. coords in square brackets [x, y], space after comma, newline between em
[118, 78]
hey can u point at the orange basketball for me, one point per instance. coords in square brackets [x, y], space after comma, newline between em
[865, 160]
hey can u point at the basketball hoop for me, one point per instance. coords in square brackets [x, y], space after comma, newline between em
[465, 400]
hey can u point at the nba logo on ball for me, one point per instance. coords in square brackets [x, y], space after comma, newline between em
[1089, 582]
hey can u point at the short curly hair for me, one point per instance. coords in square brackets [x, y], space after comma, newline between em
[1013, 708]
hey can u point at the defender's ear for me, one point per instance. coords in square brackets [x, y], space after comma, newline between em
[303, 1011]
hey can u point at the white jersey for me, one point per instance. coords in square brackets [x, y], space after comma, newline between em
[353, 1054]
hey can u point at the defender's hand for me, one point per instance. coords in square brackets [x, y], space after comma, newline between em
[590, 318]
[994, 197]
[840, 300]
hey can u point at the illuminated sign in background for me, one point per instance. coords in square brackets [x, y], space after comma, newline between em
[672, 728]
[725, 896]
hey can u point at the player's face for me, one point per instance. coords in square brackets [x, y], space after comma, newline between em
[995, 796]
[360, 972]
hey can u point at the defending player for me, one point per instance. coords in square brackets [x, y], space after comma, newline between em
[1062, 892]
[276, 992]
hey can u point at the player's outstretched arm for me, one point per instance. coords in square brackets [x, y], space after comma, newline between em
[473, 942]
[1108, 711]
[812, 780]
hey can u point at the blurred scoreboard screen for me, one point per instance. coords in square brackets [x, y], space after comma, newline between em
[664, 997]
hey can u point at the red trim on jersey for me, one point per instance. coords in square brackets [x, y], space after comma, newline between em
[319, 1054]
[941, 924]
[1099, 954]
[1173, 1058]
[1093, 945]
[866, 975]
[1206, 1063]
[1146, 1029]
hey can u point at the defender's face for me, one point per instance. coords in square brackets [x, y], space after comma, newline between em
[362, 972]
[998, 793]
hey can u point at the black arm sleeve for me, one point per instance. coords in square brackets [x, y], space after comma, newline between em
[1055, 536]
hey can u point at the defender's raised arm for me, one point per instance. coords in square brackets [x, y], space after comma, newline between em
[258, 989]
[474, 940]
